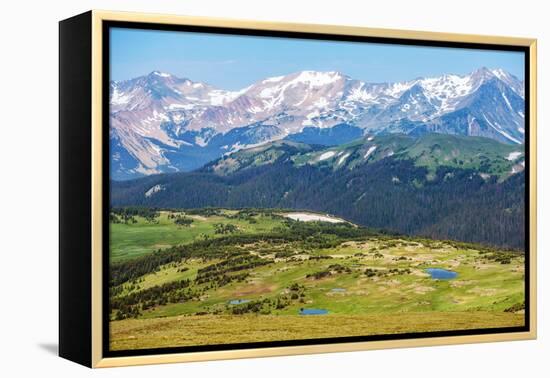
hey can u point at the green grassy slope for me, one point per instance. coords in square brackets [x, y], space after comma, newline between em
[484, 155]
[132, 240]
[227, 329]
[377, 283]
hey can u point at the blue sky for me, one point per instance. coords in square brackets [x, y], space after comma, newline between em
[234, 62]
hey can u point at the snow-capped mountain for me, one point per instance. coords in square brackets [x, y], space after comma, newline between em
[162, 123]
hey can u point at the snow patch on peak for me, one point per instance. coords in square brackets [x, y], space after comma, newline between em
[144, 170]
[360, 94]
[219, 97]
[500, 73]
[119, 98]
[255, 109]
[321, 103]
[396, 89]
[315, 78]
[274, 79]
[161, 74]
[446, 90]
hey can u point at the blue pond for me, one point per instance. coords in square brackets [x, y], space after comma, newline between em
[313, 311]
[441, 274]
[338, 290]
[238, 301]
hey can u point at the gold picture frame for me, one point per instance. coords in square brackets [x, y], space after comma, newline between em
[92, 25]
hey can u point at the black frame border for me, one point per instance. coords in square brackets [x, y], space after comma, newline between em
[105, 69]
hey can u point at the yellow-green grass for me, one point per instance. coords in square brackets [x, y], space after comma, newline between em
[226, 329]
[128, 241]
[400, 297]
[166, 274]
[481, 285]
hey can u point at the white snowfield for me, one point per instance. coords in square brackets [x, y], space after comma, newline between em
[343, 158]
[327, 155]
[155, 189]
[309, 217]
[161, 74]
[370, 151]
[319, 99]
[514, 155]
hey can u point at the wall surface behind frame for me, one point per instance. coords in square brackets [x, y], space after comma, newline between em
[75, 88]
[29, 187]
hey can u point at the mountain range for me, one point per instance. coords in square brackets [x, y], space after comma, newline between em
[436, 185]
[162, 123]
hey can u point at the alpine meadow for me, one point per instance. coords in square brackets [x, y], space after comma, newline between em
[314, 205]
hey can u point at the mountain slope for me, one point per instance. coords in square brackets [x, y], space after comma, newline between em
[469, 189]
[161, 123]
[486, 156]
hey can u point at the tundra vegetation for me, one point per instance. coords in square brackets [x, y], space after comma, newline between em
[217, 276]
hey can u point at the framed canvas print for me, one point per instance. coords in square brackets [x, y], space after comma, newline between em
[235, 189]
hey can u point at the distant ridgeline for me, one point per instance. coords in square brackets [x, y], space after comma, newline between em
[441, 186]
[160, 123]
